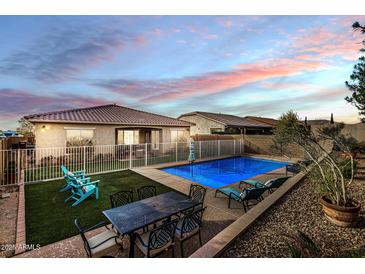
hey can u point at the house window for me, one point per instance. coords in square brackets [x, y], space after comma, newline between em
[79, 137]
[128, 137]
[178, 136]
[215, 130]
[155, 139]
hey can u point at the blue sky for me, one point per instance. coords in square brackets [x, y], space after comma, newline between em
[243, 65]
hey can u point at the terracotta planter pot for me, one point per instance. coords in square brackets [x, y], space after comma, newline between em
[340, 215]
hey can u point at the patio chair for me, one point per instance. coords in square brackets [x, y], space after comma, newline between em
[243, 196]
[158, 240]
[197, 193]
[146, 192]
[121, 198]
[189, 226]
[269, 184]
[101, 244]
[82, 189]
[68, 175]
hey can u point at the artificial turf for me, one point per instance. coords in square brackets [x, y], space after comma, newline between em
[49, 219]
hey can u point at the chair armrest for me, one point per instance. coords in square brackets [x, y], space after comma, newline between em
[100, 224]
[84, 179]
[92, 183]
[96, 183]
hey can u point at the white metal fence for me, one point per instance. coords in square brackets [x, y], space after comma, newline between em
[43, 164]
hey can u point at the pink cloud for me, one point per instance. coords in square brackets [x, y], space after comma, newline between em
[17, 103]
[324, 43]
[149, 91]
[212, 36]
[289, 86]
[192, 28]
[157, 31]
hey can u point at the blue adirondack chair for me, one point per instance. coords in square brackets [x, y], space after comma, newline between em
[82, 189]
[69, 176]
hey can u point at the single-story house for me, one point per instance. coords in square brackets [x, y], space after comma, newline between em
[105, 125]
[212, 123]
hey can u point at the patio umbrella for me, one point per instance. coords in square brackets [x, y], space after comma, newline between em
[191, 158]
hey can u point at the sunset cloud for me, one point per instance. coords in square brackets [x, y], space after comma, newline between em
[175, 64]
[324, 43]
[149, 91]
[16, 103]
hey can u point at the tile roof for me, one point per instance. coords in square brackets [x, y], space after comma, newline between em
[228, 120]
[268, 121]
[107, 114]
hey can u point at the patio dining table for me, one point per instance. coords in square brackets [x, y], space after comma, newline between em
[131, 217]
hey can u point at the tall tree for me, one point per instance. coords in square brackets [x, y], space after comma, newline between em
[25, 126]
[357, 79]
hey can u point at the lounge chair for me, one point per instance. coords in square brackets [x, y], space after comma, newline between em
[243, 196]
[269, 184]
[68, 175]
[296, 167]
[82, 189]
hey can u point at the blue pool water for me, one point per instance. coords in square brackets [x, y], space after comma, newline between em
[219, 173]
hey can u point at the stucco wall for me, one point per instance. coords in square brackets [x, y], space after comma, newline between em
[54, 135]
[356, 130]
[202, 125]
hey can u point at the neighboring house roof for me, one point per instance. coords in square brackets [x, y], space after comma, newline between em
[268, 121]
[107, 114]
[318, 122]
[228, 120]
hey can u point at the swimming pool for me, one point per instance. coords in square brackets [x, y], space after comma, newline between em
[219, 173]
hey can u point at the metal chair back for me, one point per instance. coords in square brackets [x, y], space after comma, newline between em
[197, 193]
[162, 236]
[121, 198]
[146, 192]
[192, 221]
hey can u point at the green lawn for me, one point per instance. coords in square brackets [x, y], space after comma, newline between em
[49, 219]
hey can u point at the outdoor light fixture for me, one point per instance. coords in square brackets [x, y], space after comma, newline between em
[44, 128]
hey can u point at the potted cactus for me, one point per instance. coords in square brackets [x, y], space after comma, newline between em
[332, 169]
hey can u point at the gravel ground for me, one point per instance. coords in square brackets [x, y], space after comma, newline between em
[300, 210]
[8, 214]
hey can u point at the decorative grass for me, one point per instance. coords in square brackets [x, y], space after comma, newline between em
[49, 219]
